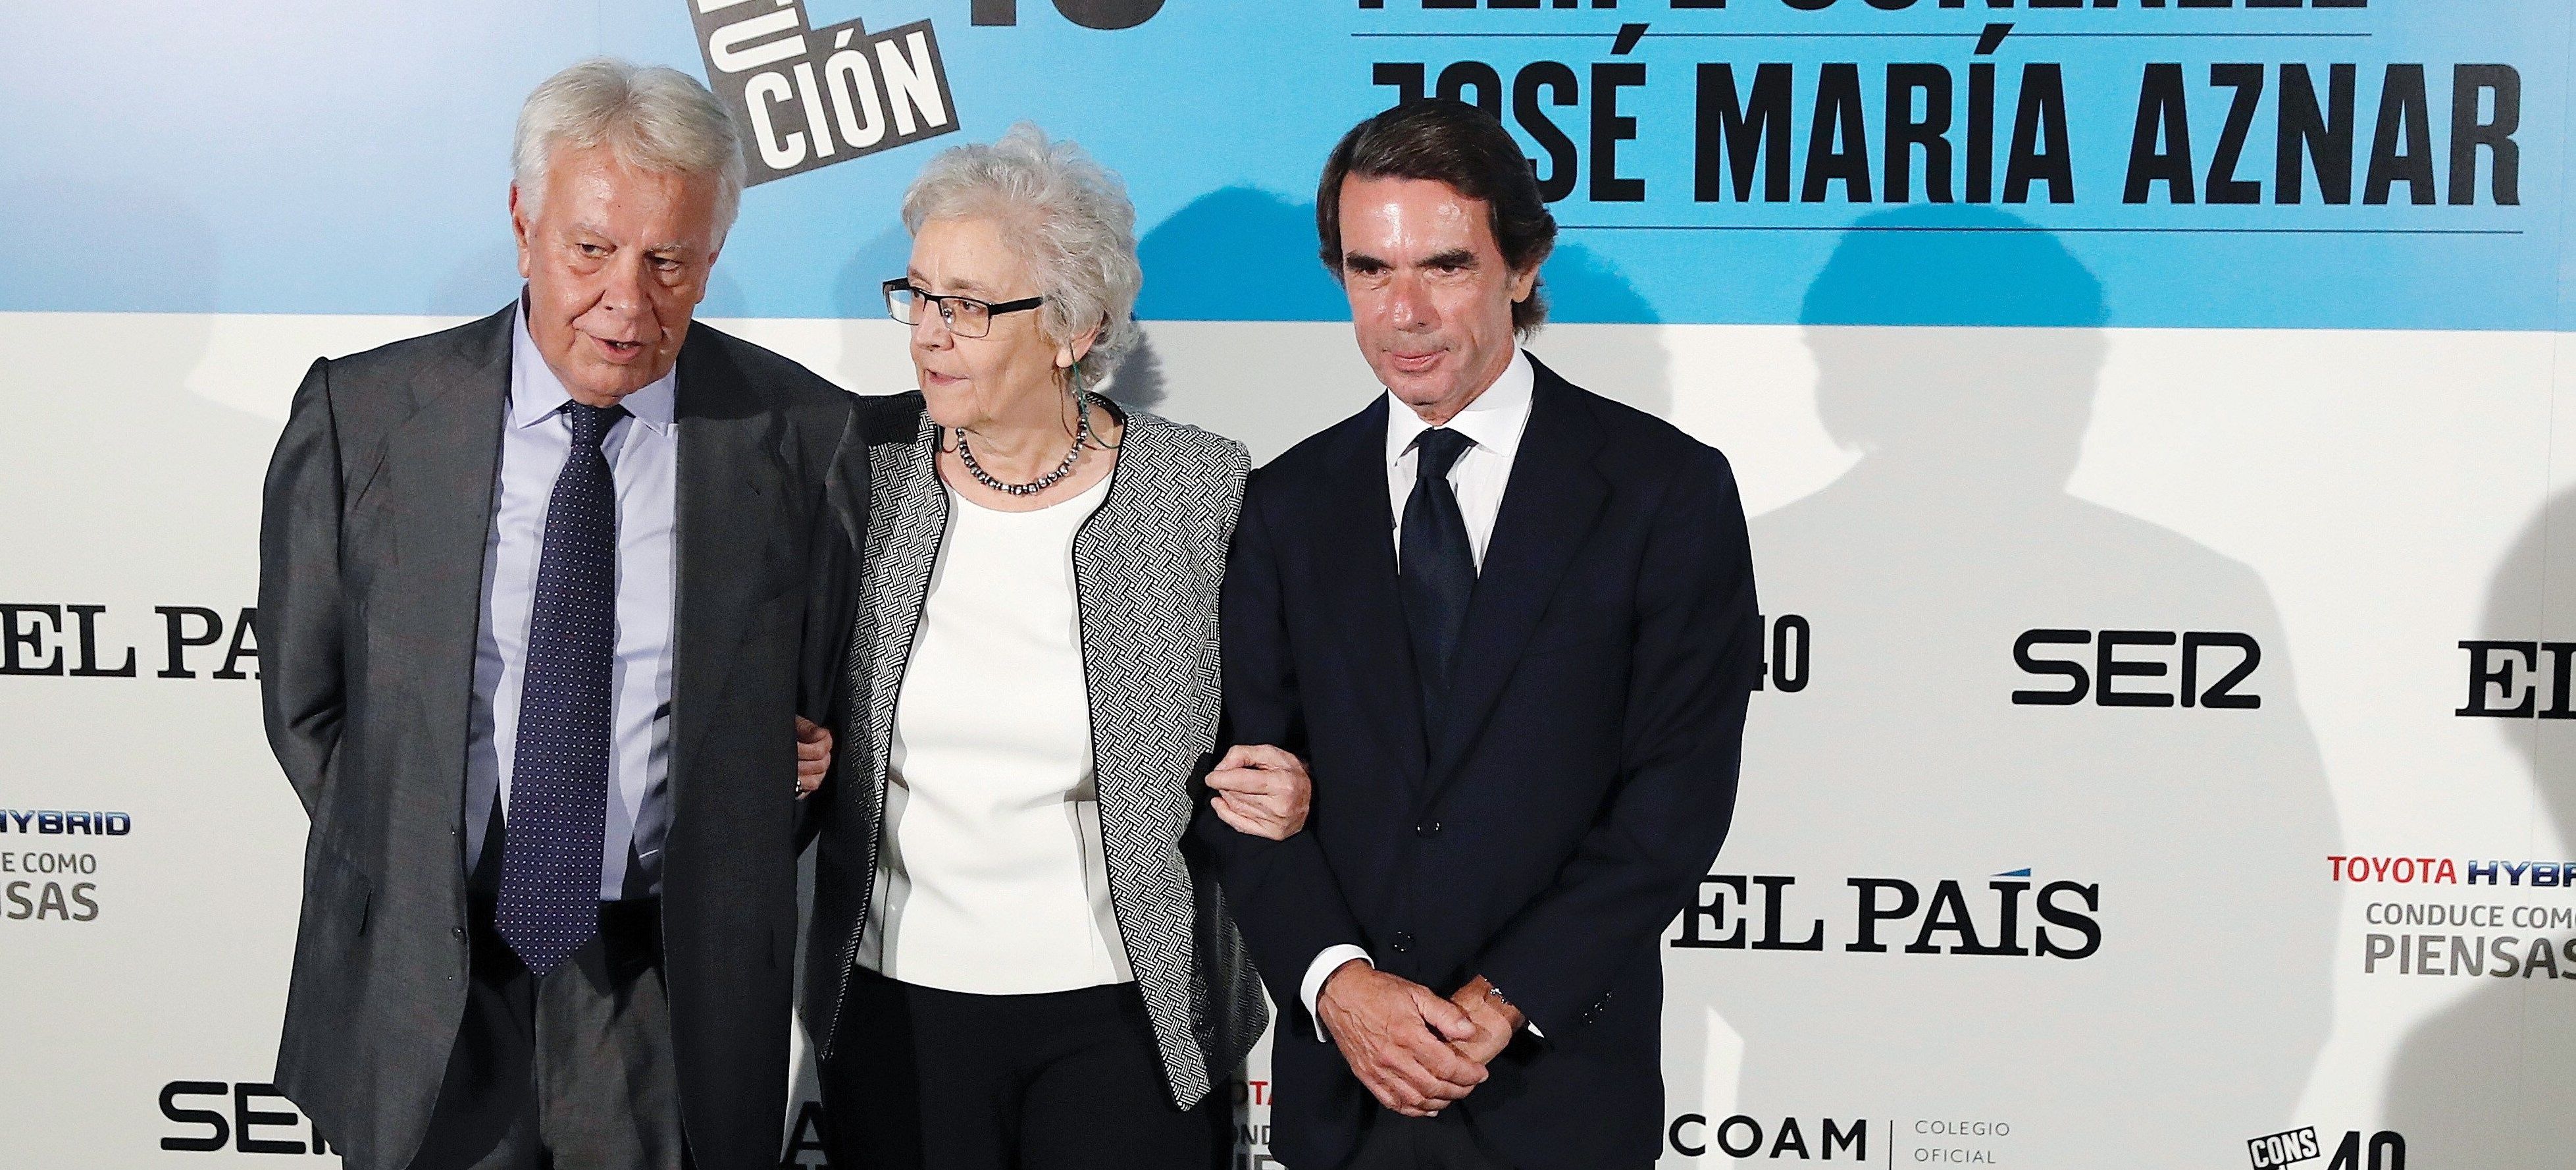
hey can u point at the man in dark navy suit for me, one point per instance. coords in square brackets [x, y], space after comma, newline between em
[1508, 625]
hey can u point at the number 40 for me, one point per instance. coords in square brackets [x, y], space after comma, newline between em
[2387, 1152]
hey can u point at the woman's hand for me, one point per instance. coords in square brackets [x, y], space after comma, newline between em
[1262, 791]
[813, 755]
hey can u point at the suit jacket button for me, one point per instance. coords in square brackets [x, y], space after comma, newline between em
[457, 931]
[1427, 829]
[1403, 942]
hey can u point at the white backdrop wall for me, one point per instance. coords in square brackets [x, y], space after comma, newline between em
[2294, 861]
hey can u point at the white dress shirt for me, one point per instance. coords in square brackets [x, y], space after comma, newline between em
[992, 880]
[642, 451]
[1493, 422]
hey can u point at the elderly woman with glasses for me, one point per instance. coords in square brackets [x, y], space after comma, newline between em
[1016, 957]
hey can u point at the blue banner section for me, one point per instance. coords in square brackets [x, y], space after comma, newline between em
[2227, 163]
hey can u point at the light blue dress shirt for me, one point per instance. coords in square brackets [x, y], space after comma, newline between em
[642, 452]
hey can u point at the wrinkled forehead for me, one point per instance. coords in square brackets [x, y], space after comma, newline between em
[973, 255]
[597, 187]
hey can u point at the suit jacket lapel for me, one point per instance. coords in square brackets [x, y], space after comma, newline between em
[437, 473]
[1548, 509]
[1355, 556]
[730, 482]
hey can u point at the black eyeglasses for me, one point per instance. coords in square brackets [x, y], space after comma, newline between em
[965, 316]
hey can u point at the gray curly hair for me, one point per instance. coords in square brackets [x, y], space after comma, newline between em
[1064, 214]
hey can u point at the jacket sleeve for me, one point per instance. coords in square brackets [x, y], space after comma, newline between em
[838, 543]
[303, 692]
[1285, 898]
[1695, 653]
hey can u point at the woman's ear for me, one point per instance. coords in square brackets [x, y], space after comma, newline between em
[1069, 353]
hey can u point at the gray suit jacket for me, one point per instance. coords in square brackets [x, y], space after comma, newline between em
[378, 506]
[1147, 566]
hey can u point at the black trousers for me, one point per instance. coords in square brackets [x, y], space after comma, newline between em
[1445, 1142]
[924, 1079]
[572, 1070]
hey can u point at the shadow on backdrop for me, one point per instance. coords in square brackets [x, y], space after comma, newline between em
[1601, 332]
[1233, 254]
[2483, 1082]
[858, 294]
[106, 433]
[1237, 254]
[2195, 1024]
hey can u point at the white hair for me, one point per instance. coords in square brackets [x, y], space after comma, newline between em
[654, 118]
[1065, 215]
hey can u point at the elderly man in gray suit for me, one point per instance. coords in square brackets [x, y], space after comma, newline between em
[543, 600]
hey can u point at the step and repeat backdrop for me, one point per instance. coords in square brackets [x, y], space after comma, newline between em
[2149, 414]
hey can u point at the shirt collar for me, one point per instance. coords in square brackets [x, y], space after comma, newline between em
[536, 393]
[1494, 420]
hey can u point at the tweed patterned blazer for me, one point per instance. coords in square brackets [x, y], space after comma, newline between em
[1148, 565]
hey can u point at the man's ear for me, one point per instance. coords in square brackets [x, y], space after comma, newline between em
[519, 228]
[1525, 280]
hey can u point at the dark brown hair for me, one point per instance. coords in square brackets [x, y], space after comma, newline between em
[1450, 142]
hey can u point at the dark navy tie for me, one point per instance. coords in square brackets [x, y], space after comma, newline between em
[550, 851]
[1438, 572]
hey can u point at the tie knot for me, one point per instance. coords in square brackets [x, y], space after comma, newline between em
[590, 423]
[1438, 450]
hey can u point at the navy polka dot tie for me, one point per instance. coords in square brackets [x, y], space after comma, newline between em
[558, 809]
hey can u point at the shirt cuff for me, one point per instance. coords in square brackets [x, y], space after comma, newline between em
[1526, 1022]
[1329, 960]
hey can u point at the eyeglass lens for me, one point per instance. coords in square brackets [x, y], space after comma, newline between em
[965, 317]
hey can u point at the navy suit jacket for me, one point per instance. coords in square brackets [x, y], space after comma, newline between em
[1549, 832]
